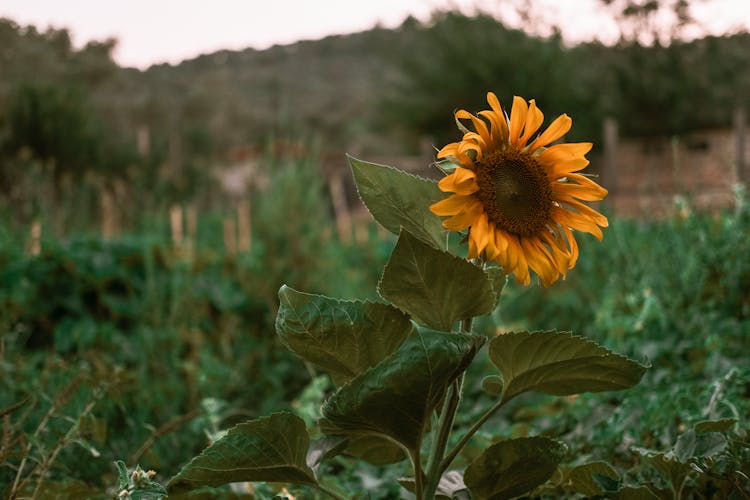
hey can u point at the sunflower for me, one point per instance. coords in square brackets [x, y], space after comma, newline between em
[519, 197]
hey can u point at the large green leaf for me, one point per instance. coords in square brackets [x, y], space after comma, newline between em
[342, 337]
[272, 449]
[396, 397]
[559, 363]
[721, 425]
[397, 199]
[691, 444]
[510, 468]
[434, 287]
[375, 450]
[670, 468]
[587, 478]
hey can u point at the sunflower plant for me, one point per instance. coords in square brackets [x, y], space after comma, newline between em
[399, 365]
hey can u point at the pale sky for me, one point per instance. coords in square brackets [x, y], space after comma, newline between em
[155, 31]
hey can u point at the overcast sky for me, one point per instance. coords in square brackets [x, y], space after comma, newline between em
[155, 31]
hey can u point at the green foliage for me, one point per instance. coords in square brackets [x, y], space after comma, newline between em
[399, 200]
[272, 449]
[185, 345]
[560, 364]
[344, 338]
[137, 485]
[510, 468]
[401, 384]
[397, 397]
[434, 287]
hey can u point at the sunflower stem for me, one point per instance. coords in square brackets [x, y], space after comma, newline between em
[445, 424]
[466, 437]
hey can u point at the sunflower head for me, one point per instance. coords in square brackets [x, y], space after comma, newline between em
[519, 197]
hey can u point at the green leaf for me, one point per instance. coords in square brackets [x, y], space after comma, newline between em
[493, 384]
[434, 287]
[587, 479]
[498, 279]
[634, 493]
[342, 337]
[396, 397]
[559, 363]
[324, 448]
[670, 469]
[690, 445]
[397, 199]
[375, 450]
[123, 478]
[272, 449]
[511, 468]
[722, 425]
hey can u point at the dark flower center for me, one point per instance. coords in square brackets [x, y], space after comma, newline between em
[515, 191]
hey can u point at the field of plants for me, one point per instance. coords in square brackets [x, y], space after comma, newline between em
[129, 350]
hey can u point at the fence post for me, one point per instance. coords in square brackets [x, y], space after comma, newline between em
[230, 235]
[108, 213]
[35, 238]
[243, 226]
[191, 216]
[338, 197]
[609, 169]
[175, 222]
[740, 138]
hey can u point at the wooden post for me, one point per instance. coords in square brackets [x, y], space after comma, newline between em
[230, 235]
[609, 169]
[143, 140]
[338, 197]
[243, 226]
[740, 138]
[191, 214]
[108, 213]
[175, 222]
[35, 238]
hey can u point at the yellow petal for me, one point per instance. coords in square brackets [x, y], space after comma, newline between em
[502, 122]
[467, 146]
[517, 119]
[534, 120]
[573, 244]
[585, 210]
[492, 251]
[556, 129]
[479, 125]
[540, 261]
[480, 233]
[576, 221]
[585, 181]
[501, 240]
[461, 181]
[563, 168]
[567, 150]
[448, 150]
[461, 221]
[452, 205]
[585, 193]
[558, 250]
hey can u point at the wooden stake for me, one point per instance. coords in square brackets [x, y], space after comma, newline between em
[35, 238]
[175, 221]
[109, 215]
[243, 226]
[338, 197]
[192, 228]
[230, 235]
